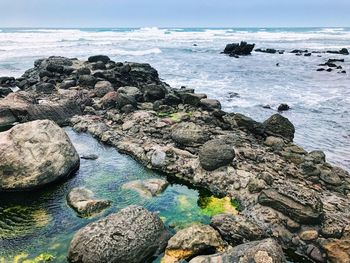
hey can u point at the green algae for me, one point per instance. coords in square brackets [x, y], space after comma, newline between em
[212, 205]
[23, 258]
[175, 117]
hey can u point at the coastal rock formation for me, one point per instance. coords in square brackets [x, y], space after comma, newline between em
[35, 154]
[265, 251]
[147, 188]
[83, 202]
[239, 49]
[192, 241]
[291, 195]
[133, 235]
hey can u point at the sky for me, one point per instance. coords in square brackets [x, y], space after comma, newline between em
[174, 13]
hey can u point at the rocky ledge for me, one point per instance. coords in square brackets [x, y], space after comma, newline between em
[284, 192]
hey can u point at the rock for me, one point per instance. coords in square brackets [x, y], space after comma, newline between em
[216, 153]
[274, 142]
[300, 204]
[308, 235]
[209, 104]
[244, 122]
[236, 229]
[46, 88]
[158, 158]
[315, 253]
[320, 69]
[192, 241]
[133, 235]
[279, 126]
[7, 119]
[35, 154]
[87, 81]
[147, 188]
[132, 92]
[5, 91]
[338, 251]
[154, 92]
[98, 58]
[264, 251]
[268, 50]
[83, 202]
[332, 60]
[102, 88]
[66, 84]
[189, 134]
[109, 100]
[190, 99]
[283, 107]
[343, 51]
[7, 82]
[89, 156]
[98, 65]
[83, 71]
[240, 49]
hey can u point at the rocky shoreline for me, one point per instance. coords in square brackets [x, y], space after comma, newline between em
[284, 193]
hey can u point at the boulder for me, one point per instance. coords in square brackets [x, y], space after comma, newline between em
[216, 153]
[236, 229]
[283, 107]
[102, 88]
[132, 92]
[7, 82]
[87, 81]
[46, 88]
[83, 202]
[241, 49]
[210, 104]
[244, 122]
[4, 91]
[189, 134]
[192, 241]
[148, 187]
[279, 126]
[298, 203]
[153, 92]
[35, 154]
[264, 251]
[133, 235]
[338, 251]
[68, 83]
[98, 58]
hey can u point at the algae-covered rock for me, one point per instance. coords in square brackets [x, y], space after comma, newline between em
[212, 205]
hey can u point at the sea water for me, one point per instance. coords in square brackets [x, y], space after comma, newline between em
[320, 101]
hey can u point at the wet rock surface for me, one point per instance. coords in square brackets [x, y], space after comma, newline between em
[147, 188]
[82, 200]
[133, 235]
[281, 189]
[35, 154]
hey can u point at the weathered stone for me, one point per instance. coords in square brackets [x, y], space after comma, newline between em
[210, 104]
[300, 204]
[189, 134]
[338, 251]
[102, 88]
[82, 200]
[308, 235]
[279, 126]
[236, 229]
[216, 153]
[98, 58]
[133, 235]
[45, 88]
[192, 241]
[147, 188]
[244, 122]
[35, 154]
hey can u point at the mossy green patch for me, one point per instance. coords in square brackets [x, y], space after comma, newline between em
[175, 117]
[212, 205]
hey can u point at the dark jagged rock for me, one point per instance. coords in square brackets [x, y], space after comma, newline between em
[277, 125]
[215, 154]
[97, 58]
[269, 51]
[239, 49]
[343, 51]
[332, 60]
[283, 107]
[210, 104]
[7, 82]
[244, 122]
[133, 235]
[5, 91]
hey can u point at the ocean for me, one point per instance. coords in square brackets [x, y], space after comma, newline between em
[319, 101]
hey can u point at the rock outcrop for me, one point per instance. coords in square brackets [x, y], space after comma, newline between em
[239, 49]
[133, 235]
[35, 154]
[82, 200]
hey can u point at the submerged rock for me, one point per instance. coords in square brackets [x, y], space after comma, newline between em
[149, 187]
[35, 154]
[192, 241]
[133, 235]
[82, 200]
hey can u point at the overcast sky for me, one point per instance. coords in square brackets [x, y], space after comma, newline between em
[174, 13]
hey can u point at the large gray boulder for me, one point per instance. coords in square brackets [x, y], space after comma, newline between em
[35, 154]
[279, 126]
[133, 235]
[215, 154]
[265, 251]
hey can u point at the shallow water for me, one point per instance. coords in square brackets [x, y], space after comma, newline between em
[42, 222]
[320, 101]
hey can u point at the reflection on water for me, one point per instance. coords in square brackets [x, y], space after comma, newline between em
[40, 225]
